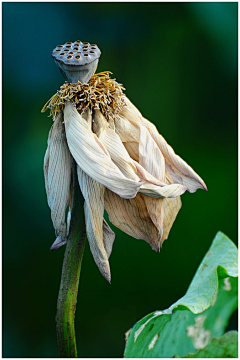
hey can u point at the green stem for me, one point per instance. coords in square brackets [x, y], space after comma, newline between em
[67, 297]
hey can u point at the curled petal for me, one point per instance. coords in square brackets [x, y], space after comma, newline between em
[129, 135]
[132, 217]
[126, 130]
[167, 191]
[143, 217]
[178, 169]
[132, 114]
[58, 243]
[151, 159]
[93, 193]
[117, 151]
[92, 156]
[57, 171]
[145, 175]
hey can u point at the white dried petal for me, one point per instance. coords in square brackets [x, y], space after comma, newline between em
[93, 193]
[58, 243]
[179, 170]
[150, 157]
[57, 169]
[167, 191]
[99, 123]
[108, 238]
[127, 131]
[46, 166]
[119, 154]
[92, 156]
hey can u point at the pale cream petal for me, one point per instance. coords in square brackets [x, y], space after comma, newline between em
[132, 149]
[155, 208]
[129, 135]
[132, 114]
[163, 213]
[46, 166]
[175, 165]
[93, 193]
[58, 243]
[126, 130]
[92, 156]
[108, 238]
[111, 123]
[132, 217]
[150, 157]
[99, 123]
[156, 188]
[145, 175]
[118, 153]
[87, 115]
[171, 209]
[179, 170]
[57, 168]
[167, 191]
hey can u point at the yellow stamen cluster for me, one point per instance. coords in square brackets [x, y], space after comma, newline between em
[101, 93]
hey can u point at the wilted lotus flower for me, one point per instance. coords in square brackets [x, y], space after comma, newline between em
[123, 164]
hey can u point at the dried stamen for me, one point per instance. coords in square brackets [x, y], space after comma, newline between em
[101, 93]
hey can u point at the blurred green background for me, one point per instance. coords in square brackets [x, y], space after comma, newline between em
[178, 63]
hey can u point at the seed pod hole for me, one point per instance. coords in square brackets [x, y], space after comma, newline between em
[85, 43]
[77, 57]
[59, 46]
[75, 48]
[68, 43]
[57, 50]
[70, 53]
[69, 57]
[62, 54]
[68, 46]
[66, 50]
[91, 52]
[85, 55]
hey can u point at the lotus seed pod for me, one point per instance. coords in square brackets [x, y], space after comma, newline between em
[77, 61]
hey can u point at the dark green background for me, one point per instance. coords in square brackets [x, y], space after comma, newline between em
[178, 63]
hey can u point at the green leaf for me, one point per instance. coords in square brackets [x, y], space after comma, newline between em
[178, 330]
[224, 347]
[222, 254]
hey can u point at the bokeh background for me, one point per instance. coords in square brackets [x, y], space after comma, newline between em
[178, 63]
